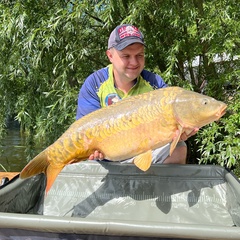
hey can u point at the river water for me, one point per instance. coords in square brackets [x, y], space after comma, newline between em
[12, 151]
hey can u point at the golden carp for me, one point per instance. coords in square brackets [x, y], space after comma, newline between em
[129, 128]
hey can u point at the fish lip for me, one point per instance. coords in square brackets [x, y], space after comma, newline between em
[221, 112]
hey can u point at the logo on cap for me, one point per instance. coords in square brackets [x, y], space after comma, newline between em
[128, 31]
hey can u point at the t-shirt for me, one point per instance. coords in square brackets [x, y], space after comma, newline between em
[99, 90]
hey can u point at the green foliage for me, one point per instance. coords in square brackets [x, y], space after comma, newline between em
[47, 49]
[2, 167]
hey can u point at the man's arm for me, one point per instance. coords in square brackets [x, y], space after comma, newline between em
[88, 100]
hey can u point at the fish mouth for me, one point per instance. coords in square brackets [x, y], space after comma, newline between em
[221, 112]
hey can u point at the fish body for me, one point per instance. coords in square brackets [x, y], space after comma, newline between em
[129, 128]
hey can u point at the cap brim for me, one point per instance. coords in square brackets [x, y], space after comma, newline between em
[128, 42]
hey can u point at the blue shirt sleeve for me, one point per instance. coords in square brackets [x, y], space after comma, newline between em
[88, 100]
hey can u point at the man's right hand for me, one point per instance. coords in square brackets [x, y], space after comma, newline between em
[96, 156]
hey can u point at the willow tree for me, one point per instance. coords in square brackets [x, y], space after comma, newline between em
[48, 48]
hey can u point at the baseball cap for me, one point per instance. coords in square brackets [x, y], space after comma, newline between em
[124, 35]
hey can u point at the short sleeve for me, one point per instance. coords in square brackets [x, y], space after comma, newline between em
[88, 100]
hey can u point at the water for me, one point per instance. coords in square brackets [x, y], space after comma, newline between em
[12, 151]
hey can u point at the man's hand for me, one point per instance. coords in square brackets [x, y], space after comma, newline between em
[96, 156]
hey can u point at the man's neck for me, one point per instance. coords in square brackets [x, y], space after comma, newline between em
[123, 85]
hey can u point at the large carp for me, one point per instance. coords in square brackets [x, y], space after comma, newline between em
[130, 128]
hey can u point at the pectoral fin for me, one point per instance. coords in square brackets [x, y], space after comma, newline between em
[176, 139]
[144, 160]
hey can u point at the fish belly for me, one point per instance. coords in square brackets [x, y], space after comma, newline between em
[126, 140]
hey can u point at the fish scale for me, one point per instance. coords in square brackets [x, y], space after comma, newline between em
[129, 128]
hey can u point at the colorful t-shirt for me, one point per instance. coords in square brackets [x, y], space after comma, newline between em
[99, 90]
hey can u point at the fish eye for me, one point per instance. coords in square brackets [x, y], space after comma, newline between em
[205, 101]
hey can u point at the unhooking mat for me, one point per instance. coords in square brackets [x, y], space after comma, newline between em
[101, 200]
[165, 193]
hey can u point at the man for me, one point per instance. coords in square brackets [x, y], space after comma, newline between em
[125, 77]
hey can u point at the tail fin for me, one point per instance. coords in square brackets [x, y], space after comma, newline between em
[37, 165]
[40, 164]
[52, 173]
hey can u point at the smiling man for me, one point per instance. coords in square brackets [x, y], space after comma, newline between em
[125, 77]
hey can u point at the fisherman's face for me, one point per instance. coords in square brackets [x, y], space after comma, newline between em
[127, 63]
